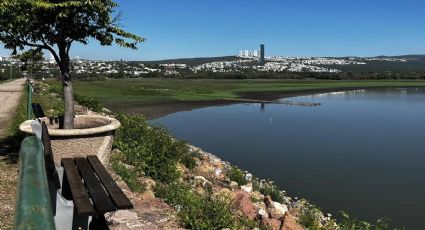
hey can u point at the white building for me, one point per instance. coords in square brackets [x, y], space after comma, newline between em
[255, 53]
[246, 53]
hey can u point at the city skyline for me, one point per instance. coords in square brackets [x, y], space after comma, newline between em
[302, 29]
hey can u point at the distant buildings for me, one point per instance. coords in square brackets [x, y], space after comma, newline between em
[254, 54]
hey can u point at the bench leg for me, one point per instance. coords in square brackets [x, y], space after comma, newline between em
[99, 222]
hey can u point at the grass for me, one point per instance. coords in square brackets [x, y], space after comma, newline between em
[147, 91]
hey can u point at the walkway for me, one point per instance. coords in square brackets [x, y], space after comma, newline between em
[10, 93]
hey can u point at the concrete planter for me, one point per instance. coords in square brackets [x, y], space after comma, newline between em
[92, 135]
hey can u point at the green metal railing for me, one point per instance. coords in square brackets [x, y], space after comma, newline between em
[33, 206]
[29, 100]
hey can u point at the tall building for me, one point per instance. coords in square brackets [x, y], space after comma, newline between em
[246, 53]
[241, 53]
[262, 60]
[255, 53]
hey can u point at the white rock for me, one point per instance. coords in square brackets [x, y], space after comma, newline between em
[280, 208]
[217, 172]
[248, 176]
[263, 213]
[247, 188]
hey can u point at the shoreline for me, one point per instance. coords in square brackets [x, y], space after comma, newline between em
[160, 109]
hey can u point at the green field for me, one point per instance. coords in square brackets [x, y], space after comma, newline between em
[141, 91]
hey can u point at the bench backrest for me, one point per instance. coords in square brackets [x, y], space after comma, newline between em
[51, 171]
[37, 110]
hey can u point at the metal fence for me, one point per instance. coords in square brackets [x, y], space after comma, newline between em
[33, 205]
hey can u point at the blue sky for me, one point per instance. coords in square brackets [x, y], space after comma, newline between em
[203, 28]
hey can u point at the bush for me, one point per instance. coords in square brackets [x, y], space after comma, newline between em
[150, 149]
[128, 175]
[268, 189]
[237, 175]
[88, 102]
[201, 212]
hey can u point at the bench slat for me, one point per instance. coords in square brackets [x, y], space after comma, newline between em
[100, 198]
[48, 156]
[79, 194]
[37, 110]
[117, 195]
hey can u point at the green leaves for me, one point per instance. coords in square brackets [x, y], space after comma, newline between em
[49, 23]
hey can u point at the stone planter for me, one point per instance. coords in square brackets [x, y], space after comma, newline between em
[92, 135]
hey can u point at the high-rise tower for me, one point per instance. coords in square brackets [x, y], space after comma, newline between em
[262, 60]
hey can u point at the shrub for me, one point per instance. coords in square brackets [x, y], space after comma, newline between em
[310, 217]
[349, 223]
[202, 212]
[150, 149]
[128, 175]
[237, 175]
[268, 189]
[88, 102]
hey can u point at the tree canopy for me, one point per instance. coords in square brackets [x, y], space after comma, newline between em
[49, 23]
[55, 25]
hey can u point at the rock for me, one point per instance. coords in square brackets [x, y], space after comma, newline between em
[273, 224]
[223, 192]
[242, 205]
[200, 191]
[247, 188]
[204, 169]
[200, 181]
[233, 185]
[278, 211]
[218, 172]
[147, 182]
[262, 213]
[275, 209]
[290, 223]
[182, 169]
[248, 177]
[257, 196]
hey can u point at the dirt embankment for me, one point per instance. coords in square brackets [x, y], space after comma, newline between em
[160, 109]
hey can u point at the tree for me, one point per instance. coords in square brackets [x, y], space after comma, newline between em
[54, 25]
[29, 58]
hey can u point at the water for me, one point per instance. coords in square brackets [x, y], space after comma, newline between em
[361, 151]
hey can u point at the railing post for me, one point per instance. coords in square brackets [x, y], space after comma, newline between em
[29, 100]
[33, 206]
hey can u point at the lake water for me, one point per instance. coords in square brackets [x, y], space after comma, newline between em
[361, 151]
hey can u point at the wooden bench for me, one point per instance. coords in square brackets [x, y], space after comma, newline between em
[37, 110]
[87, 183]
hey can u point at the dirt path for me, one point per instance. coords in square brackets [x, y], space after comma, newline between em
[10, 93]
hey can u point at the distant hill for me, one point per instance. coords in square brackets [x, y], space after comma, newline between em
[193, 61]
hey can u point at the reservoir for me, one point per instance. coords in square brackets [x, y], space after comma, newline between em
[361, 151]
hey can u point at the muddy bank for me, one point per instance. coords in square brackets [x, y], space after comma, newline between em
[160, 109]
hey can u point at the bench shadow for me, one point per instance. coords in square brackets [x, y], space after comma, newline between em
[9, 148]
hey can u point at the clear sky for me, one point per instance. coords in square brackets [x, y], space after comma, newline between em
[204, 28]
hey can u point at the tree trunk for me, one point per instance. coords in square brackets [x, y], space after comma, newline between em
[68, 94]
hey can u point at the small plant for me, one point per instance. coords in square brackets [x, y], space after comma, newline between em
[237, 175]
[268, 189]
[128, 175]
[349, 223]
[310, 217]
